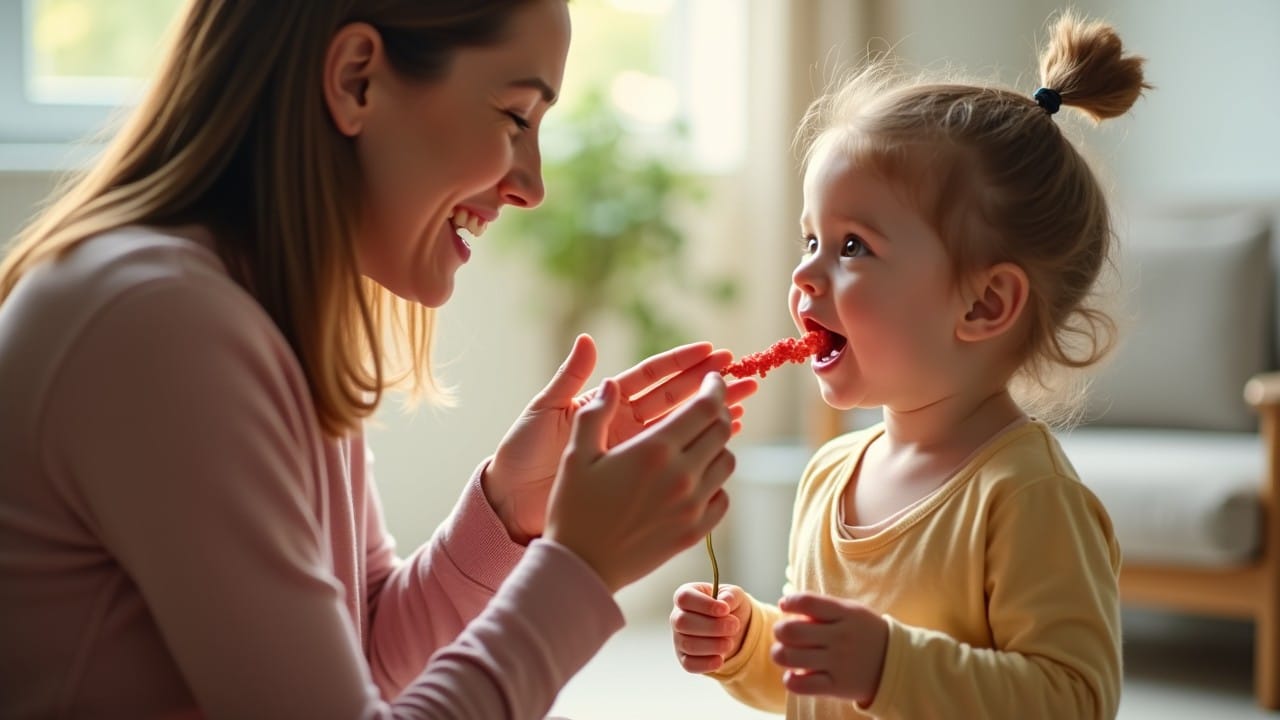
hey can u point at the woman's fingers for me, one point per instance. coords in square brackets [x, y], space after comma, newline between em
[665, 396]
[663, 365]
[682, 427]
[571, 376]
[591, 425]
[652, 400]
[710, 461]
[739, 390]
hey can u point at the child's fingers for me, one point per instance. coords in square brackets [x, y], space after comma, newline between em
[697, 625]
[818, 607]
[696, 597]
[801, 658]
[696, 646]
[732, 596]
[808, 683]
[799, 632]
[700, 664]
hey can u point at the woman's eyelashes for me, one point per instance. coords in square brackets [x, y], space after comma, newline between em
[852, 246]
[518, 120]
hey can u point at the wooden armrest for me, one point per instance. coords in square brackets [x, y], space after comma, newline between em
[1263, 390]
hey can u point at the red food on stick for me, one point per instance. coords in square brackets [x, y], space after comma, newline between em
[784, 351]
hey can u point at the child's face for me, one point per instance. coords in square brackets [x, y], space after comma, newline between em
[434, 149]
[873, 272]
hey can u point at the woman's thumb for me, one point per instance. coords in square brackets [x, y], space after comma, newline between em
[591, 422]
[572, 374]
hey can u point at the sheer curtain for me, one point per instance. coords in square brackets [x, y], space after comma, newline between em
[795, 49]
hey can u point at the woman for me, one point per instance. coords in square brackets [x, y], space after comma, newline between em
[191, 335]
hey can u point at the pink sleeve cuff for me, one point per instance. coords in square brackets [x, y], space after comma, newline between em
[476, 540]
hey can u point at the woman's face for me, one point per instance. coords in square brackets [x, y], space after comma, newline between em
[453, 152]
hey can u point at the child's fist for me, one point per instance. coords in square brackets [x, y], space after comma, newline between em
[708, 630]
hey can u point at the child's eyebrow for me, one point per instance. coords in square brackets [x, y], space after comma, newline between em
[875, 230]
[866, 225]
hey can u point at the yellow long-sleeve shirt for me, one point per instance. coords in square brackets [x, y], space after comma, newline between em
[1000, 590]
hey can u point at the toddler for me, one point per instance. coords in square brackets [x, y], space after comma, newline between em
[946, 562]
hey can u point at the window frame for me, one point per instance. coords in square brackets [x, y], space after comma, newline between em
[25, 122]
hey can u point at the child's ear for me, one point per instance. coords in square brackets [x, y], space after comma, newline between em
[995, 299]
[352, 58]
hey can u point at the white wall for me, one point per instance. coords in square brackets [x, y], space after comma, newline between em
[1211, 126]
[1208, 130]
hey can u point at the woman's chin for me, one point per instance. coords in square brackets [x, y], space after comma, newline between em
[434, 297]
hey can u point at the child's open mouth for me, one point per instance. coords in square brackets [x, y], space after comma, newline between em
[834, 345]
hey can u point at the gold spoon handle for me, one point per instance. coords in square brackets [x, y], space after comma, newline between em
[715, 569]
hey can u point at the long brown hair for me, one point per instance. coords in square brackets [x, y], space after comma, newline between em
[234, 135]
[1000, 182]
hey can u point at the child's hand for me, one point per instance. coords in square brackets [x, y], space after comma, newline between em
[835, 648]
[708, 630]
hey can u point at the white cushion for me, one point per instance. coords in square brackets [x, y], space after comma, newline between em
[1195, 322]
[1175, 497]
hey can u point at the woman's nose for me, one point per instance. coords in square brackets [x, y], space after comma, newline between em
[522, 186]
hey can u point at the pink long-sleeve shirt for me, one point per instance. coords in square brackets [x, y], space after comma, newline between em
[179, 539]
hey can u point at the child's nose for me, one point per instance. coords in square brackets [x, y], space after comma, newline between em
[807, 277]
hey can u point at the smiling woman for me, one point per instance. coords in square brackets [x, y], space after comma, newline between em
[193, 331]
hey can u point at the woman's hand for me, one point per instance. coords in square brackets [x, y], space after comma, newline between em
[628, 509]
[519, 478]
[706, 630]
[831, 647]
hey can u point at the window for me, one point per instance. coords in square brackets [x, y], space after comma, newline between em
[664, 64]
[65, 65]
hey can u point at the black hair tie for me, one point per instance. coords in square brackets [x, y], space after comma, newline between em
[1048, 99]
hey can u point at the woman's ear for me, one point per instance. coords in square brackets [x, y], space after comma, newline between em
[996, 298]
[349, 62]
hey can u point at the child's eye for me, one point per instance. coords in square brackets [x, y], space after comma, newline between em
[808, 245]
[854, 247]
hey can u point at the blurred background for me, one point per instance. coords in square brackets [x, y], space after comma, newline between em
[673, 189]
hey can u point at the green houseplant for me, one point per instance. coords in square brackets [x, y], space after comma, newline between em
[609, 237]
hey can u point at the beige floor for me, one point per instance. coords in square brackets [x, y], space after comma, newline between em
[1176, 669]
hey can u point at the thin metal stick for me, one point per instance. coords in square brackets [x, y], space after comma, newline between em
[715, 569]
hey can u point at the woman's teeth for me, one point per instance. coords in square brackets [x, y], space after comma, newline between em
[463, 220]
